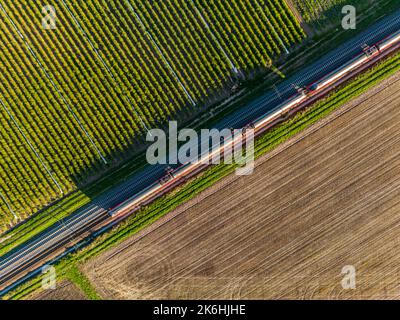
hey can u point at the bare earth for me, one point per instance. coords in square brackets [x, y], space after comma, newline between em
[64, 291]
[328, 198]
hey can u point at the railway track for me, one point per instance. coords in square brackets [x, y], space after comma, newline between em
[25, 262]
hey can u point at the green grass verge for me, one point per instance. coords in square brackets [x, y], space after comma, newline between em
[68, 205]
[42, 221]
[75, 275]
[164, 205]
[315, 48]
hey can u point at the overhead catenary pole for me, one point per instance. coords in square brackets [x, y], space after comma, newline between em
[53, 83]
[103, 62]
[233, 67]
[161, 53]
[31, 146]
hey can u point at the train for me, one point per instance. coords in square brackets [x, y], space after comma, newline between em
[175, 176]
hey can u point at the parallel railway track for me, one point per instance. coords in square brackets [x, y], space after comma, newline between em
[26, 262]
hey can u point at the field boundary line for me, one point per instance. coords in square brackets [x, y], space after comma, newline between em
[228, 180]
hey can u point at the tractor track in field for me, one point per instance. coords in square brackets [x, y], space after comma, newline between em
[326, 198]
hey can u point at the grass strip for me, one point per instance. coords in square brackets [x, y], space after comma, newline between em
[318, 45]
[75, 275]
[263, 144]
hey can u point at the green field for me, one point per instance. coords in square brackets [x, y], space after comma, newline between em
[69, 267]
[90, 87]
[82, 95]
[325, 14]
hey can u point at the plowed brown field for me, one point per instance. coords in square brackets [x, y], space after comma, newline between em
[328, 198]
[64, 291]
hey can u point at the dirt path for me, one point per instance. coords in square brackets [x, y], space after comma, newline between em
[327, 198]
[64, 291]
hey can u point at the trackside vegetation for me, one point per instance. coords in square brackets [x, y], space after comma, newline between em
[77, 198]
[77, 100]
[69, 267]
[324, 14]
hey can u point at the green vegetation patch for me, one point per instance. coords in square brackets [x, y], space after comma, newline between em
[326, 14]
[263, 144]
[80, 95]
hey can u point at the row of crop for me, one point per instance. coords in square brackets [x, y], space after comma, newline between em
[35, 108]
[48, 99]
[322, 14]
[176, 53]
[252, 31]
[133, 72]
[86, 102]
[45, 128]
[61, 156]
[108, 78]
[24, 182]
